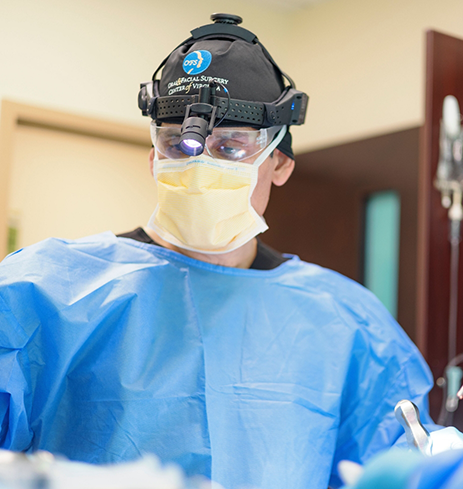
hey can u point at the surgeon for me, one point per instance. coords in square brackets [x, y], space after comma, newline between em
[189, 338]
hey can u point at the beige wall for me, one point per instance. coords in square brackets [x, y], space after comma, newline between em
[361, 61]
[89, 56]
[71, 185]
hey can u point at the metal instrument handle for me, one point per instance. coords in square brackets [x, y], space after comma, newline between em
[408, 415]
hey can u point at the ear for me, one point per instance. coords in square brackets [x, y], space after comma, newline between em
[151, 159]
[283, 168]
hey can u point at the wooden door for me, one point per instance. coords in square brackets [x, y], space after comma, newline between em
[444, 76]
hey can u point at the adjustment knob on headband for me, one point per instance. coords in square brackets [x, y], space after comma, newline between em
[226, 19]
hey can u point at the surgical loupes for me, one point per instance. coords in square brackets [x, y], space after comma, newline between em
[408, 415]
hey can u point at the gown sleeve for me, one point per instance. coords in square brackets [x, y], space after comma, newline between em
[15, 391]
[19, 321]
[385, 367]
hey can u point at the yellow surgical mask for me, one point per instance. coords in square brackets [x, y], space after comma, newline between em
[204, 204]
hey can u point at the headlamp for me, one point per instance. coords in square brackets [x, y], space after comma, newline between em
[199, 121]
[193, 136]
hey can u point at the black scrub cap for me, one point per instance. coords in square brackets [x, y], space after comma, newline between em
[244, 68]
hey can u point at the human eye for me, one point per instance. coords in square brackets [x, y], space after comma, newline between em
[170, 145]
[232, 149]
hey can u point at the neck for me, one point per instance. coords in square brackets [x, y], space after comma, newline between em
[242, 257]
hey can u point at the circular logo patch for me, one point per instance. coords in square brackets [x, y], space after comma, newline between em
[197, 62]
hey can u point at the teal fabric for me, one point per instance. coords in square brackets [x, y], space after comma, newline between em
[382, 239]
[111, 348]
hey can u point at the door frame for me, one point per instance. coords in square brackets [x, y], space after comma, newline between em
[14, 114]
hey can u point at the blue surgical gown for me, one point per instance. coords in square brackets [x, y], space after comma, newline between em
[409, 469]
[111, 348]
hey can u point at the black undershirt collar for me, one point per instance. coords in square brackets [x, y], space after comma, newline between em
[266, 258]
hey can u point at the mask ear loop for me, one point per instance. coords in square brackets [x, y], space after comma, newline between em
[255, 173]
[271, 147]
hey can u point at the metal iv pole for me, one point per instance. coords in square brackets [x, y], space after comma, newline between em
[449, 180]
